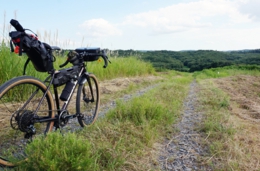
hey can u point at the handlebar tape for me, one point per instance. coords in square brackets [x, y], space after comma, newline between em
[17, 25]
[64, 64]
[105, 61]
[104, 56]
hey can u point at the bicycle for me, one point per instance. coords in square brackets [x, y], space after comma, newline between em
[27, 105]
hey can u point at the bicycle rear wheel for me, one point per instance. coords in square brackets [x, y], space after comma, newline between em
[88, 100]
[19, 98]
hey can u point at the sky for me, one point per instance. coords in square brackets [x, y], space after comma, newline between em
[138, 24]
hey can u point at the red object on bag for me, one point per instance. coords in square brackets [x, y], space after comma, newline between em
[33, 36]
[16, 50]
[16, 40]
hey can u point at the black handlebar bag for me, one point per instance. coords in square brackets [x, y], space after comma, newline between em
[38, 52]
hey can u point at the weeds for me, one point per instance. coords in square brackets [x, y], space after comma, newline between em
[122, 140]
[60, 152]
[214, 103]
[233, 138]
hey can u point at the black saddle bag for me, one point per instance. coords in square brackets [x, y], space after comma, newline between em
[38, 52]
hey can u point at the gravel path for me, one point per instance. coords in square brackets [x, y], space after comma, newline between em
[183, 151]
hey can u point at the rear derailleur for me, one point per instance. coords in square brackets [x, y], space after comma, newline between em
[23, 120]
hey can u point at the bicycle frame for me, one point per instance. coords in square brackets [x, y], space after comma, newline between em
[83, 77]
[28, 112]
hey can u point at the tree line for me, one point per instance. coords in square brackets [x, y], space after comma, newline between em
[191, 61]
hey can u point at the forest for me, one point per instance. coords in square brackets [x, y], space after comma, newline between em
[190, 61]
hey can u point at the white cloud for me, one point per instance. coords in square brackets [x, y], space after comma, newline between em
[187, 16]
[98, 28]
[251, 8]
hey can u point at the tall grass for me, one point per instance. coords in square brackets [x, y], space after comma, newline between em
[214, 104]
[122, 140]
[120, 67]
[11, 65]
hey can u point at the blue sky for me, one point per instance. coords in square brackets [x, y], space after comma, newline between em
[139, 24]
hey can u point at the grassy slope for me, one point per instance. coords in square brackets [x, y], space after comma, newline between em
[233, 141]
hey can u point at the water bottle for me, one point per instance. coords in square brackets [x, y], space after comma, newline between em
[67, 90]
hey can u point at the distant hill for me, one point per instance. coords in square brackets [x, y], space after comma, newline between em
[194, 60]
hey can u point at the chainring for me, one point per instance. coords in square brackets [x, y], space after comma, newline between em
[63, 120]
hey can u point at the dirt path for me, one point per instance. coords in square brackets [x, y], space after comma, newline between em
[183, 150]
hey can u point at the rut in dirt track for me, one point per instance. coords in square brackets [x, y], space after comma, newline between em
[183, 151]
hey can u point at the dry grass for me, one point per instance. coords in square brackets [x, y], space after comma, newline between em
[241, 150]
[244, 151]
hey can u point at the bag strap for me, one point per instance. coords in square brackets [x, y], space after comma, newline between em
[11, 46]
[21, 46]
[25, 65]
[32, 32]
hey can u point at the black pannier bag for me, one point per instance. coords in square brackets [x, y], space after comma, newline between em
[38, 52]
[65, 76]
[91, 54]
[61, 77]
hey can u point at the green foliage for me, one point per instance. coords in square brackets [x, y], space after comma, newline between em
[190, 61]
[58, 152]
[138, 114]
[120, 67]
[227, 71]
[214, 104]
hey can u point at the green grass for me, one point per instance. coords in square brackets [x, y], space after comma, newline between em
[120, 67]
[122, 140]
[11, 65]
[227, 71]
[214, 104]
[61, 152]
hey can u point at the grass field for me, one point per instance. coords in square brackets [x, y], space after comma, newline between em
[124, 138]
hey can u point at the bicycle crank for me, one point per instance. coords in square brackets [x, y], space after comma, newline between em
[63, 118]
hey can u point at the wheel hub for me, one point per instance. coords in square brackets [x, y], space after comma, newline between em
[22, 120]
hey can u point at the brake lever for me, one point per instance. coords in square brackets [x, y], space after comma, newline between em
[72, 55]
[64, 64]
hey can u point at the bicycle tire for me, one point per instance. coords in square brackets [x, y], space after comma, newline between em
[15, 112]
[86, 104]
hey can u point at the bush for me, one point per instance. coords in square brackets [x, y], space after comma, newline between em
[59, 152]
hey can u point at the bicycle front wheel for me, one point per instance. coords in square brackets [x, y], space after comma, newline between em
[87, 101]
[19, 98]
